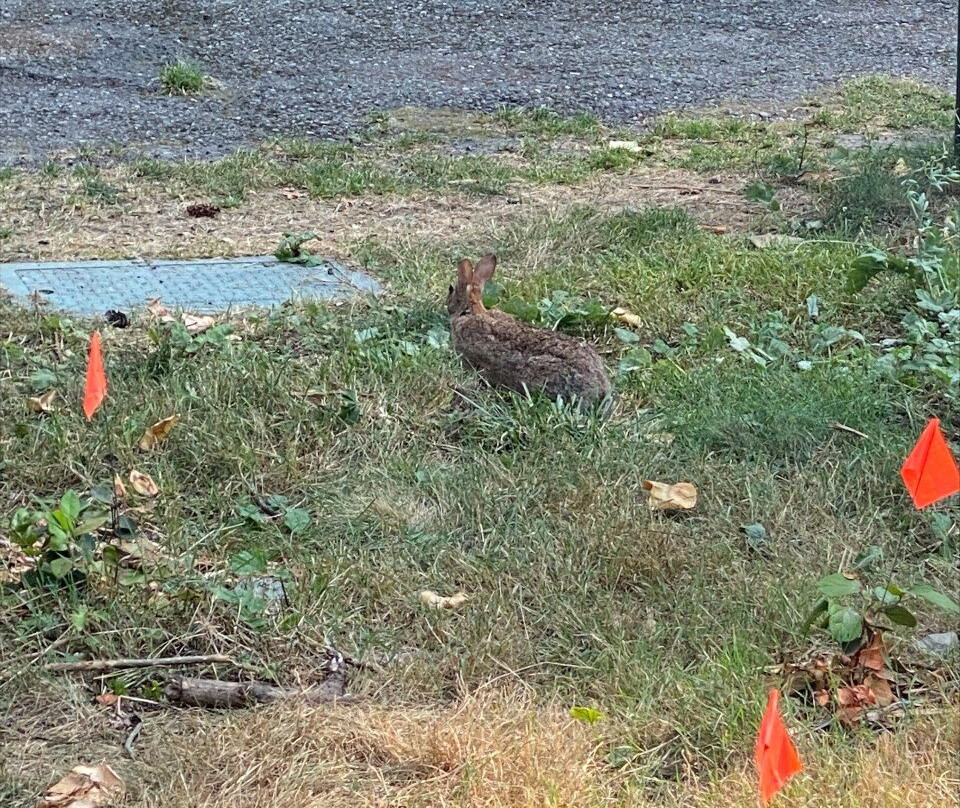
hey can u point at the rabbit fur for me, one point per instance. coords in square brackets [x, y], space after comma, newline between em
[512, 354]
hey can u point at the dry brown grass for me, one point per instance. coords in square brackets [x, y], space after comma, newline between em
[490, 750]
[51, 222]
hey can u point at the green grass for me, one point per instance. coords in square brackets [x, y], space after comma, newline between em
[868, 195]
[535, 512]
[182, 78]
[878, 102]
[327, 172]
[543, 122]
[412, 475]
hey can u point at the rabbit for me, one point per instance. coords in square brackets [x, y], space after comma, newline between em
[512, 354]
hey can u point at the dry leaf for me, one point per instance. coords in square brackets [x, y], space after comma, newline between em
[158, 310]
[872, 656]
[85, 787]
[143, 484]
[853, 702]
[716, 229]
[822, 697]
[119, 489]
[900, 168]
[140, 551]
[14, 562]
[157, 433]
[664, 497]
[628, 317]
[880, 689]
[42, 403]
[292, 193]
[764, 241]
[107, 699]
[197, 324]
[435, 601]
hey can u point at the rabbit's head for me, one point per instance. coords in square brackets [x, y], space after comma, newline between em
[467, 296]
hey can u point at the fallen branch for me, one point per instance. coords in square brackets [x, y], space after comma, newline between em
[119, 664]
[214, 694]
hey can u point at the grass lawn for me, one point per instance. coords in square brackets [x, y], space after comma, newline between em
[342, 451]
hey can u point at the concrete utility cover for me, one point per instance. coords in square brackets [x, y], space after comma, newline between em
[209, 285]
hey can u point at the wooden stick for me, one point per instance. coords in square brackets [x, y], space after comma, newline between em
[119, 664]
[850, 429]
[215, 694]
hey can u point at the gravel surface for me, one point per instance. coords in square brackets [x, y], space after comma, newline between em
[78, 72]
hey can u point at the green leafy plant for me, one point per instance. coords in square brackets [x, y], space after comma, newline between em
[560, 311]
[850, 608]
[762, 194]
[291, 250]
[930, 345]
[586, 714]
[61, 537]
[275, 507]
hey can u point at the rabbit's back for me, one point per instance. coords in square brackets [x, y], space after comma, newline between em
[512, 354]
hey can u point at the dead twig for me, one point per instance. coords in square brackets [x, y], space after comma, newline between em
[850, 429]
[119, 664]
[214, 694]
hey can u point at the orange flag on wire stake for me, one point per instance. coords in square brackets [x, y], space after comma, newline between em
[95, 389]
[776, 756]
[930, 472]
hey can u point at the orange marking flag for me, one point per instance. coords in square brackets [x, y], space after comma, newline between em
[776, 756]
[95, 390]
[930, 472]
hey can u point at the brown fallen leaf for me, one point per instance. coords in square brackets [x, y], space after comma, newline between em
[881, 690]
[822, 697]
[107, 699]
[119, 489]
[852, 702]
[197, 324]
[716, 229]
[143, 484]
[626, 316]
[665, 497]
[153, 435]
[85, 787]
[43, 403]
[158, 310]
[873, 656]
[434, 601]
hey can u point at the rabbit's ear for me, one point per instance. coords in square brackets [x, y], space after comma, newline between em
[485, 269]
[464, 273]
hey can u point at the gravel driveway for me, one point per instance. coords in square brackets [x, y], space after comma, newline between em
[84, 71]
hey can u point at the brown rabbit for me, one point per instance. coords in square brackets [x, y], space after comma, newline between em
[512, 354]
